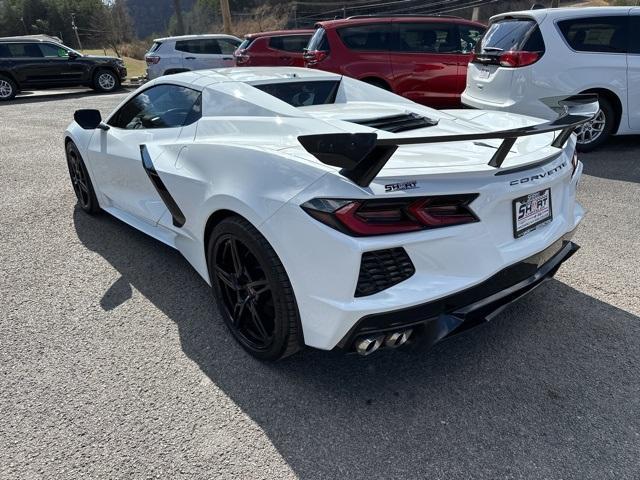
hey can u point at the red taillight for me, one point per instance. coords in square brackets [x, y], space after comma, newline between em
[400, 215]
[241, 57]
[515, 59]
[313, 57]
[152, 59]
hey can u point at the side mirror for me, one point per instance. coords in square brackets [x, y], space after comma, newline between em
[72, 55]
[88, 119]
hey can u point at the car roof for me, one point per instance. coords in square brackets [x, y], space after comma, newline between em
[210, 77]
[276, 33]
[366, 19]
[195, 37]
[565, 12]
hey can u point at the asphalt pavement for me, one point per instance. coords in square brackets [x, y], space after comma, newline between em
[114, 362]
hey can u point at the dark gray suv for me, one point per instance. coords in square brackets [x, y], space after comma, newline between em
[31, 63]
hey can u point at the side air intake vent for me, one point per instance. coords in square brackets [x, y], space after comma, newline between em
[382, 269]
[398, 123]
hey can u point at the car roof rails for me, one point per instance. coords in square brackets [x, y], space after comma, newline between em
[401, 15]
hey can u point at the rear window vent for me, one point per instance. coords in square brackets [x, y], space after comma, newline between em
[398, 123]
[382, 269]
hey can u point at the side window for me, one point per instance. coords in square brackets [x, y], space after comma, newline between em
[634, 34]
[53, 51]
[469, 37]
[427, 37]
[375, 37]
[227, 46]
[598, 34]
[290, 43]
[209, 46]
[4, 51]
[162, 106]
[189, 46]
[25, 50]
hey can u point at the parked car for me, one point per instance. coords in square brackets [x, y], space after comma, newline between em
[421, 58]
[531, 55]
[327, 212]
[282, 48]
[36, 63]
[171, 55]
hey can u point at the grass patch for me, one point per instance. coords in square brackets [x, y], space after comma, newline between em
[135, 68]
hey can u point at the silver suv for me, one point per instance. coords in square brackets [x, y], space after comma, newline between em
[190, 52]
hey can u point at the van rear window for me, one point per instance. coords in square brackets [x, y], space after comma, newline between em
[319, 41]
[510, 34]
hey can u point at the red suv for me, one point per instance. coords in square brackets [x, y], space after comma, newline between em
[273, 49]
[422, 58]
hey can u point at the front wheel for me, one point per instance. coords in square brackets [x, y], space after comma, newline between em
[80, 180]
[105, 81]
[595, 132]
[253, 291]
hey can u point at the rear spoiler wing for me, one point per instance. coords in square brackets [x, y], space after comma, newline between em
[361, 156]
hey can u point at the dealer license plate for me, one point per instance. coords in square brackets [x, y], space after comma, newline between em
[531, 211]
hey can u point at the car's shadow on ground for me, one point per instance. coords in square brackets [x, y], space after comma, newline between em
[529, 390]
[619, 163]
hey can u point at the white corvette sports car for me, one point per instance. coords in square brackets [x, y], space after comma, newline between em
[327, 212]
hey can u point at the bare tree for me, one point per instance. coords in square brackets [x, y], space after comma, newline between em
[179, 18]
[112, 25]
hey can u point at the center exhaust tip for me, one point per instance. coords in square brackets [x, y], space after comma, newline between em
[397, 339]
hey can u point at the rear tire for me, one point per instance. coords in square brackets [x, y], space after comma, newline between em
[596, 132]
[8, 88]
[253, 291]
[105, 81]
[80, 180]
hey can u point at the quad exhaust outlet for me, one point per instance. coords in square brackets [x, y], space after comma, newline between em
[370, 343]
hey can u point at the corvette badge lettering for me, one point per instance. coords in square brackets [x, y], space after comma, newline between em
[541, 175]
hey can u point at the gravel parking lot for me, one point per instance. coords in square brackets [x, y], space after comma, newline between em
[114, 362]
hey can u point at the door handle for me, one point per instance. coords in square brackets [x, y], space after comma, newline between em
[227, 58]
[450, 63]
[189, 58]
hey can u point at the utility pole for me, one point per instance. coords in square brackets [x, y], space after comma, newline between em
[295, 15]
[75, 30]
[226, 16]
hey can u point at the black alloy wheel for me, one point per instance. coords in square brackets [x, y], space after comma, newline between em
[252, 290]
[80, 180]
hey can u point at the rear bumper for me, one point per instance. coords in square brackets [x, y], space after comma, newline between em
[433, 321]
[522, 105]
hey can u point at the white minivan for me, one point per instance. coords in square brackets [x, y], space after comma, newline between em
[525, 57]
[190, 52]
